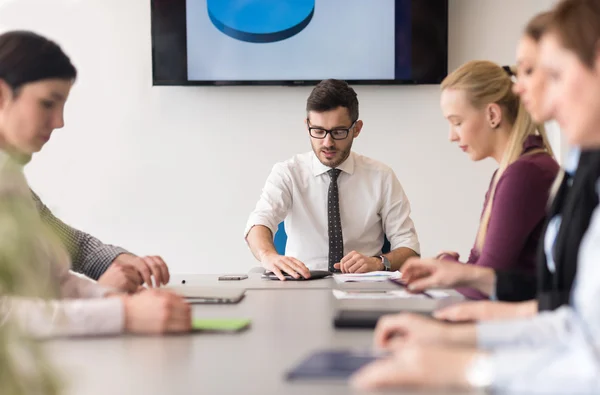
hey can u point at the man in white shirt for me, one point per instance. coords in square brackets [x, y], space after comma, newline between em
[338, 206]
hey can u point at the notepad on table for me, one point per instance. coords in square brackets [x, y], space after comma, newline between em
[398, 294]
[220, 324]
[370, 277]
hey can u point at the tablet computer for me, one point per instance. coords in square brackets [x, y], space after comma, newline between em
[362, 319]
[334, 364]
[314, 275]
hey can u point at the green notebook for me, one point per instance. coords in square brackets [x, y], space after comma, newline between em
[220, 324]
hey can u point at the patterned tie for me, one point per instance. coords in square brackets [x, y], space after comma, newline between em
[336, 241]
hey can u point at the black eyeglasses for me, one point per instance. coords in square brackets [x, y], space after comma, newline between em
[336, 134]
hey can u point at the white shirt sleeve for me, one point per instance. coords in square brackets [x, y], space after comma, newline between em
[70, 317]
[75, 285]
[81, 309]
[275, 200]
[568, 367]
[395, 216]
[529, 332]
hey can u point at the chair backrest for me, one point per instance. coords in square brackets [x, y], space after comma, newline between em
[281, 240]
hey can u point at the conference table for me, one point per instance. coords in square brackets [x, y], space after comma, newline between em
[290, 320]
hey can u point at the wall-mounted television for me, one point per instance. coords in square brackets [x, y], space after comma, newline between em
[298, 42]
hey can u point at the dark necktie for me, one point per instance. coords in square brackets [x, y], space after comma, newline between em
[336, 240]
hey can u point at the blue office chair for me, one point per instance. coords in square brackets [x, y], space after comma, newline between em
[281, 240]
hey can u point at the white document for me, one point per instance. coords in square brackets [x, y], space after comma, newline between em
[371, 277]
[395, 294]
[437, 294]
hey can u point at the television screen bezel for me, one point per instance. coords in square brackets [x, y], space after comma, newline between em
[175, 24]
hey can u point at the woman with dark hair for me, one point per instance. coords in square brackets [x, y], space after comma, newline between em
[555, 351]
[35, 80]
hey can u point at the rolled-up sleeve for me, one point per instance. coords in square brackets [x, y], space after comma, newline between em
[275, 201]
[395, 216]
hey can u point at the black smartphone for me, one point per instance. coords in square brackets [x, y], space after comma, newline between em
[233, 277]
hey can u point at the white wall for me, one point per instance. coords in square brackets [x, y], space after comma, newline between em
[176, 170]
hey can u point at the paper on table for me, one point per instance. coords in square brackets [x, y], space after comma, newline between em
[437, 294]
[396, 294]
[366, 277]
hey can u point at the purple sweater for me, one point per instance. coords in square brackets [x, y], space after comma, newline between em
[518, 214]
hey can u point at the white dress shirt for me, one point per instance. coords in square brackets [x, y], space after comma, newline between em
[555, 352]
[372, 204]
[80, 308]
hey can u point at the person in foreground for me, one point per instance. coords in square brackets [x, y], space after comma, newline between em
[553, 352]
[338, 206]
[35, 80]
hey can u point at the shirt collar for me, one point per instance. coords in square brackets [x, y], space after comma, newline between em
[572, 160]
[347, 166]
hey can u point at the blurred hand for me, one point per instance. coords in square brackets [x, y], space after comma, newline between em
[147, 267]
[450, 254]
[121, 277]
[422, 274]
[418, 367]
[394, 331]
[156, 312]
[280, 263]
[356, 262]
[487, 311]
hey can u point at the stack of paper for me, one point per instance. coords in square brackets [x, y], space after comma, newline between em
[366, 277]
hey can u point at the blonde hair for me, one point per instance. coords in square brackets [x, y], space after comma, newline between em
[485, 83]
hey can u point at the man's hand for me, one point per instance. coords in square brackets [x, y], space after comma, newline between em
[121, 277]
[356, 262]
[128, 272]
[279, 263]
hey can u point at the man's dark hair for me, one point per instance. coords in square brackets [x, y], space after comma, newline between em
[331, 94]
[28, 57]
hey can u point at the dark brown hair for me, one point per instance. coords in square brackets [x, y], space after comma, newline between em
[537, 26]
[28, 57]
[331, 94]
[577, 25]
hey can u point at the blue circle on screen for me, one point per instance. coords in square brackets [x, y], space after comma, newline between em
[260, 21]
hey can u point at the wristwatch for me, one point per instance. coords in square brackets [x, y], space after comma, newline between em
[387, 266]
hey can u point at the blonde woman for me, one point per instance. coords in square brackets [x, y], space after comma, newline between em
[487, 120]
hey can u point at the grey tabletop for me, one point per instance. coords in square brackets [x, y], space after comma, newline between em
[256, 282]
[286, 327]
